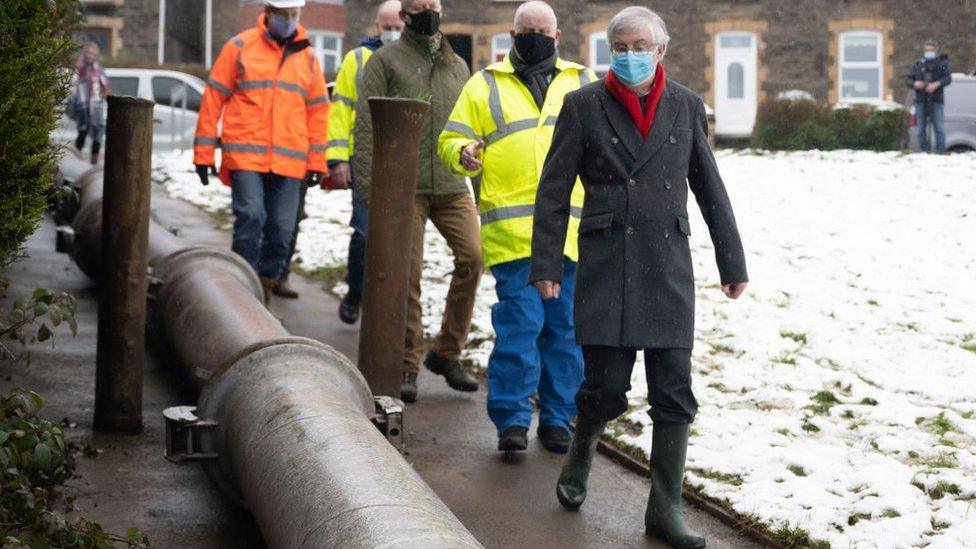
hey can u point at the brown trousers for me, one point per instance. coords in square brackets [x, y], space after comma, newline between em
[456, 218]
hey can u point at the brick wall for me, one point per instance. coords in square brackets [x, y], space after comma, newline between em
[315, 15]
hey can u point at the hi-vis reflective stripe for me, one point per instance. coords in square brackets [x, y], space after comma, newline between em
[211, 141]
[254, 84]
[291, 153]
[550, 121]
[343, 99]
[338, 143]
[359, 69]
[237, 42]
[317, 148]
[219, 87]
[460, 128]
[498, 115]
[293, 87]
[513, 212]
[317, 101]
[241, 147]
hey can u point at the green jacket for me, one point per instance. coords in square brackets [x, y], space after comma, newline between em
[408, 69]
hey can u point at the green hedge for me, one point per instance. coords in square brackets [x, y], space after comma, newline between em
[35, 44]
[792, 125]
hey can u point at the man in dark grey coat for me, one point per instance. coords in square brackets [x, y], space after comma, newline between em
[634, 140]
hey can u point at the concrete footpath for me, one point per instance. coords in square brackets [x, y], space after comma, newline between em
[451, 442]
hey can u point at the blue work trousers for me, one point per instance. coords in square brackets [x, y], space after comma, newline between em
[535, 350]
[265, 210]
[936, 115]
[357, 249]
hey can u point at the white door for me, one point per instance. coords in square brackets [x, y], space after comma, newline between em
[736, 96]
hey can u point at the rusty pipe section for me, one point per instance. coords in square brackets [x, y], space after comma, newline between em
[295, 440]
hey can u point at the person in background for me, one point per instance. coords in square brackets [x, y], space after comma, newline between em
[267, 94]
[638, 142]
[87, 104]
[929, 77]
[422, 64]
[506, 142]
[387, 27]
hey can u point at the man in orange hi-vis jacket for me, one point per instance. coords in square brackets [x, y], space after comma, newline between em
[268, 94]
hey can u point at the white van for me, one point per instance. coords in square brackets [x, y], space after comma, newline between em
[177, 96]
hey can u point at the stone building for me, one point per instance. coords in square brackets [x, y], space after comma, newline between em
[737, 53]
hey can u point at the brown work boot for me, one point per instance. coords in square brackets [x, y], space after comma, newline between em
[453, 372]
[268, 284]
[283, 288]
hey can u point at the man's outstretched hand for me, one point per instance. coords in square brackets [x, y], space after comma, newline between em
[204, 172]
[548, 289]
[734, 291]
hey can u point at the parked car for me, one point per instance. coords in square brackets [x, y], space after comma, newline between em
[960, 116]
[177, 96]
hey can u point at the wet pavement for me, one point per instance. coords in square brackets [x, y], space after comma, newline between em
[451, 442]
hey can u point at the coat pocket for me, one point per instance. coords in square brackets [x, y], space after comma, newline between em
[684, 226]
[596, 222]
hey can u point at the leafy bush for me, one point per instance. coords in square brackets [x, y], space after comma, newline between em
[35, 46]
[802, 125]
[35, 463]
[34, 320]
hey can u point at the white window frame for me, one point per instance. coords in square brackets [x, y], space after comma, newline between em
[877, 64]
[595, 39]
[316, 36]
[497, 52]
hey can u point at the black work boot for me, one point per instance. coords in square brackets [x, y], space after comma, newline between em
[571, 486]
[553, 438]
[348, 311]
[284, 289]
[453, 372]
[663, 519]
[408, 391]
[514, 439]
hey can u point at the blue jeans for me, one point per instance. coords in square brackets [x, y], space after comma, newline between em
[938, 125]
[265, 209]
[357, 250]
[535, 350]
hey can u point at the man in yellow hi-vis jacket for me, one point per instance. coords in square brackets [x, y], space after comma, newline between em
[501, 127]
[342, 119]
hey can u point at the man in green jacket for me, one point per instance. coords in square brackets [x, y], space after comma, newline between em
[422, 65]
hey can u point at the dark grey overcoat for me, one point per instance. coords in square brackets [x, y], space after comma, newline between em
[635, 286]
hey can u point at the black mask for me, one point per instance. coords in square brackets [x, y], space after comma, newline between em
[427, 22]
[534, 48]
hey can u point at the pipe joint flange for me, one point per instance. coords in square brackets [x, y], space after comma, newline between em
[190, 258]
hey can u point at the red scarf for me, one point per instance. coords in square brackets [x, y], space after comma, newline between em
[630, 100]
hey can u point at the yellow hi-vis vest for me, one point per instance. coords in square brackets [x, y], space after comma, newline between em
[342, 117]
[497, 108]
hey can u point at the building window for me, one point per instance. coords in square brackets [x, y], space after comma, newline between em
[600, 53]
[327, 46]
[501, 44]
[737, 81]
[861, 66]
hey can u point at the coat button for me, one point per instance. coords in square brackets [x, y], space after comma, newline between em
[667, 234]
[667, 185]
[630, 230]
[674, 139]
[631, 182]
[614, 140]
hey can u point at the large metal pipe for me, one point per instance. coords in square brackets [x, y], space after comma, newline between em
[121, 355]
[397, 124]
[294, 437]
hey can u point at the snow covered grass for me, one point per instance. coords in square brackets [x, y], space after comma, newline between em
[837, 398]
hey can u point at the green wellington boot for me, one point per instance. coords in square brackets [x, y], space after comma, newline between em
[571, 486]
[663, 519]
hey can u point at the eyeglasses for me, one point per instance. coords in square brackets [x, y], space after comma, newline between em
[639, 50]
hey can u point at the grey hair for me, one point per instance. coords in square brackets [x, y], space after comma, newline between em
[637, 16]
[526, 5]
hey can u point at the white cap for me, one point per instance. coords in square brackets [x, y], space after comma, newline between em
[285, 3]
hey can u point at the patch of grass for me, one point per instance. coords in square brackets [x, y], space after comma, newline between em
[785, 358]
[944, 460]
[890, 513]
[913, 454]
[855, 518]
[940, 525]
[720, 349]
[873, 302]
[728, 478]
[868, 401]
[823, 401]
[797, 470]
[848, 414]
[785, 302]
[968, 414]
[795, 537]
[942, 488]
[808, 426]
[785, 432]
[798, 337]
[328, 276]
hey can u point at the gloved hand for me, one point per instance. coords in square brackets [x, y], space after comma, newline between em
[205, 172]
[314, 179]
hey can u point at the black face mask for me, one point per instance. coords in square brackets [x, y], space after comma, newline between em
[534, 48]
[427, 22]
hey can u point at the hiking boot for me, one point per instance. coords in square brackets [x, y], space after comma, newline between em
[348, 311]
[408, 391]
[663, 518]
[453, 372]
[553, 438]
[571, 486]
[514, 439]
[267, 284]
[283, 288]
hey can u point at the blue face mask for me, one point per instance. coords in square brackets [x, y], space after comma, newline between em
[633, 69]
[281, 27]
[930, 55]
